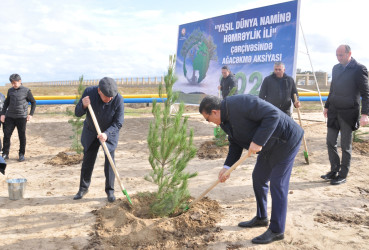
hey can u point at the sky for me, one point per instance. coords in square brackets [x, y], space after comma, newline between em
[51, 40]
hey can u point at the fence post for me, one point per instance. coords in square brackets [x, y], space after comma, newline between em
[307, 79]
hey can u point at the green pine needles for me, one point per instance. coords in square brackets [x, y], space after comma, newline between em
[171, 148]
[77, 122]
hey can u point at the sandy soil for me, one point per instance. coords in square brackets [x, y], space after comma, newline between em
[320, 216]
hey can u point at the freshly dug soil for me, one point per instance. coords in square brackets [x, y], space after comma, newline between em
[123, 226]
[65, 158]
[361, 147]
[209, 150]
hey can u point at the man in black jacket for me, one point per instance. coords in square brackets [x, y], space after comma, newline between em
[349, 82]
[228, 82]
[279, 89]
[15, 114]
[258, 126]
[108, 106]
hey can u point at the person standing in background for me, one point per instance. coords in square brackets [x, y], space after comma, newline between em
[228, 82]
[342, 108]
[15, 114]
[279, 89]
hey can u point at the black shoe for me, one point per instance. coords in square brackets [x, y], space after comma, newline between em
[111, 197]
[254, 222]
[268, 237]
[21, 158]
[329, 176]
[5, 157]
[338, 180]
[80, 194]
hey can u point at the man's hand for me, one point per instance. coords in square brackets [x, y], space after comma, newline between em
[325, 113]
[29, 117]
[297, 104]
[221, 176]
[254, 148]
[2, 118]
[102, 137]
[219, 87]
[86, 101]
[364, 120]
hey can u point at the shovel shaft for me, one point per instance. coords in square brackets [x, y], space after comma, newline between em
[234, 166]
[106, 150]
[303, 138]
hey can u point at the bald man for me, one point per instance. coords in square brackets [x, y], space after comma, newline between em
[342, 108]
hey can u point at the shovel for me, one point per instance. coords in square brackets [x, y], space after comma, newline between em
[106, 150]
[305, 146]
[234, 166]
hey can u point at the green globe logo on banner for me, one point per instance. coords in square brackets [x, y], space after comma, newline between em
[199, 50]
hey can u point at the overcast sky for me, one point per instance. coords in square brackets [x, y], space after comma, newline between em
[45, 40]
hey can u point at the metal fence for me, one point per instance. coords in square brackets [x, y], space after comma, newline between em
[126, 82]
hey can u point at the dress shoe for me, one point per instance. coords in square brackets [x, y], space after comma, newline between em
[254, 222]
[268, 237]
[111, 197]
[5, 157]
[21, 158]
[329, 176]
[338, 180]
[80, 194]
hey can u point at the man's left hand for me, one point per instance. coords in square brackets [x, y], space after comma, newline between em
[29, 117]
[102, 137]
[297, 104]
[364, 120]
[221, 176]
[254, 148]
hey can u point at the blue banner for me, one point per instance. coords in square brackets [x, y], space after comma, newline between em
[249, 42]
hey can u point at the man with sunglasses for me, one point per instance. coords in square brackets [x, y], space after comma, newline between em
[254, 124]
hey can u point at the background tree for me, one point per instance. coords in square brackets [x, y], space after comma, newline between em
[77, 122]
[171, 148]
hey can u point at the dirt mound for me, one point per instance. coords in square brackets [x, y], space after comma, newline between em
[356, 219]
[124, 226]
[208, 150]
[65, 158]
[361, 147]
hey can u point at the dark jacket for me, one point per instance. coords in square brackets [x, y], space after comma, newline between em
[247, 118]
[348, 84]
[16, 103]
[227, 84]
[279, 92]
[110, 117]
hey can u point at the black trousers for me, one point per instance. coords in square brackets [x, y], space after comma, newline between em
[8, 128]
[89, 159]
[340, 165]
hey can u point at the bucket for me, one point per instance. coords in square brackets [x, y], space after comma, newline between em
[16, 188]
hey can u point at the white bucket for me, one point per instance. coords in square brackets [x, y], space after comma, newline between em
[16, 188]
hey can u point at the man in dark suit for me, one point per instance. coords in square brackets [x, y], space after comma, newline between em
[108, 106]
[260, 127]
[349, 82]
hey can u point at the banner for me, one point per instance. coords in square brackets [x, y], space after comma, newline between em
[249, 42]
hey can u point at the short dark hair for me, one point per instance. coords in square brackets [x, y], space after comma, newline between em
[226, 67]
[14, 78]
[209, 103]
